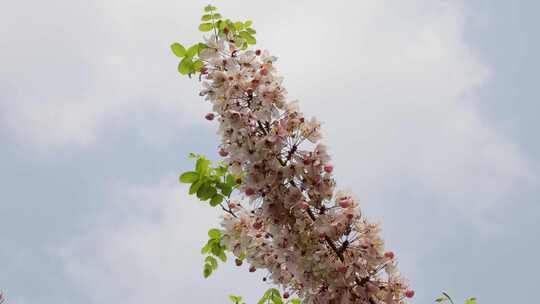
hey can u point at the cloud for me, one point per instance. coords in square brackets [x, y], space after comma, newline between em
[145, 248]
[394, 84]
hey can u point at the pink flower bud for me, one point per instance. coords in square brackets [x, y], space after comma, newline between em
[209, 116]
[343, 269]
[389, 254]
[257, 52]
[252, 269]
[328, 168]
[264, 72]
[409, 293]
[345, 203]
[303, 205]
[286, 295]
[257, 225]
[249, 191]
[223, 152]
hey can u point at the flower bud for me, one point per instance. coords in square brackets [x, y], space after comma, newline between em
[249, 191]
[209, 116]
[257, 225]
[223, 152]
[345, 203]
[328, 168]
[409, 293]
[303, 205]
[252, 269]
[258, 52]
[238, 262]
[286, 295]
[389, 254]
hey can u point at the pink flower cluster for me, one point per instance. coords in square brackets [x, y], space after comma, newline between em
[310, 238]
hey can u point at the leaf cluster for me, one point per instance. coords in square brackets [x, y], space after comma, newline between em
[238, 32]
[213, 184]
[446, 298]
[213, 249]
[189, 63]
[271, 296]
[241, 33]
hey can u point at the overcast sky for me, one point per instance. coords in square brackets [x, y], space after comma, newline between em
[430, 111]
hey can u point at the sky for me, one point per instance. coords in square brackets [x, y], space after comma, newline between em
[429, 109]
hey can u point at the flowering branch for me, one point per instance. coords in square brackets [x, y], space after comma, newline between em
[309, 237]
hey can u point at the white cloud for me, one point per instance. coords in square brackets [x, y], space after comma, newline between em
[145, 248]
[393, 82]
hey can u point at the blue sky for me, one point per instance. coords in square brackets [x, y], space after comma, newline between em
[429, 109]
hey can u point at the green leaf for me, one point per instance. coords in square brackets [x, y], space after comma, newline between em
[248, 23]
[206, 27]
[295, 301]
[202, 165]
[216, 249]
[189, 177]
[206, 17]
[207, 270]
[441, 299]
[185, 66]
[238, 26]
[235, 299]
[192, 51]
[209, 8]
[216, 16]
[214, 233]
[247, 36]
[448, 297]
[220, 24]
[206, 191]
[201, 46]
[178, 49]
[197, 65]
[471, 301]
[216, 200]
[226, 190]
[223, 257]
[251, 31]
[195, 187]
[212, 261]
[206, 248]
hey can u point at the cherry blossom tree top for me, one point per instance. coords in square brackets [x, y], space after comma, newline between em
[282, 212]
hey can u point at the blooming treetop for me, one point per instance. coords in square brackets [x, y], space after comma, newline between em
[287, 219]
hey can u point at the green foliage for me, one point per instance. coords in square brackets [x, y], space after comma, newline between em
[446, 298]
[214, 184]
[178, 49]
[206, 27]
[240, 33]
[210, 8]
[272, 296]
[213, 249]
[236, 299]
[210, 183]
